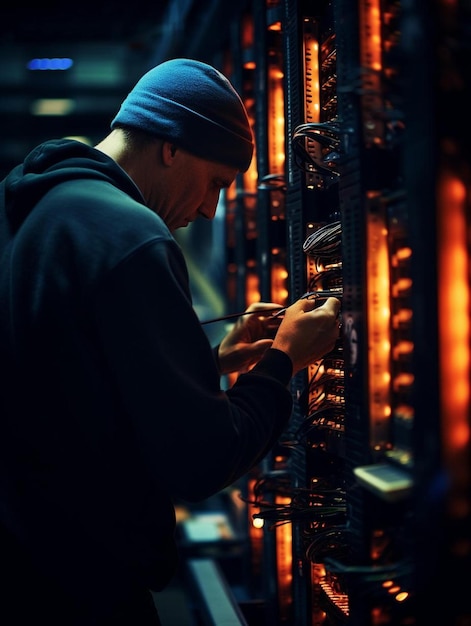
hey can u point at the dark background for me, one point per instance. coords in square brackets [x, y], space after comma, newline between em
[111, 45]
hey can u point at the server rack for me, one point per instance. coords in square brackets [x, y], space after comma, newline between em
[363, 509]
[437, 167]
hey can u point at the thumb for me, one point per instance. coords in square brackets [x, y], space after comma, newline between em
[332, 305]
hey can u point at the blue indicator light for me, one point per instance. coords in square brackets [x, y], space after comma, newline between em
[50, 64]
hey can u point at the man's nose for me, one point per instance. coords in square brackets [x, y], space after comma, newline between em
[208, 209]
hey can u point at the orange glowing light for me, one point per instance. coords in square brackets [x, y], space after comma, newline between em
[252, 288]
[402, 285]
[371, 62]
[454, 322]
[460, 436]
[402, 317]
[405, 379]
[374, 23]
[276, 121]
[379, 312]
[403, 595]
[404, 411]
[402, 348]
[247, 31]
[404, 253]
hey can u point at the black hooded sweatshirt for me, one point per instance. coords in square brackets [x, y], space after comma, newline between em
[111, 401]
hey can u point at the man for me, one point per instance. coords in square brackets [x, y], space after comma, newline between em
[111, 404]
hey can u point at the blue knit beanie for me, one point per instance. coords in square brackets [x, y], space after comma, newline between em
[193, 105]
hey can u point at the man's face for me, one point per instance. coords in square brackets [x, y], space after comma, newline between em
[191, 190]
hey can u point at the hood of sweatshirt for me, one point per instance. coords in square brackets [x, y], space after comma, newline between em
[48, 165]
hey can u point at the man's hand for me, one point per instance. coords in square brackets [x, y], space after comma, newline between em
[249, 338]
[308, 331]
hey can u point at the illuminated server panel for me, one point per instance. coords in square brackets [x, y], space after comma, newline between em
[270, 542]
[242, 232]
[438, 182]
[337, 556]
[377, 570]
[338, 493]
[271, 162]
[318, 463]
[363, 511]
[300, 496]
[256, 224]
[256, 227]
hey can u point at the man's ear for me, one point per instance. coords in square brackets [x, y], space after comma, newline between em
[168, 152]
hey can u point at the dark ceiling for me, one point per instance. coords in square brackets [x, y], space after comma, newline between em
[111, 44]
[26, 22]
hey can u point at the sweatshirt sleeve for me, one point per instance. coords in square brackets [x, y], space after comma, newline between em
[194, 438]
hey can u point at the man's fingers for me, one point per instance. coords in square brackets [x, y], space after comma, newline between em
[263, 306]
[333, 304]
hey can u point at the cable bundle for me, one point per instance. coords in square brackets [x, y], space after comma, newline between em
[305, 504]
[325, 242]
[326, 137]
